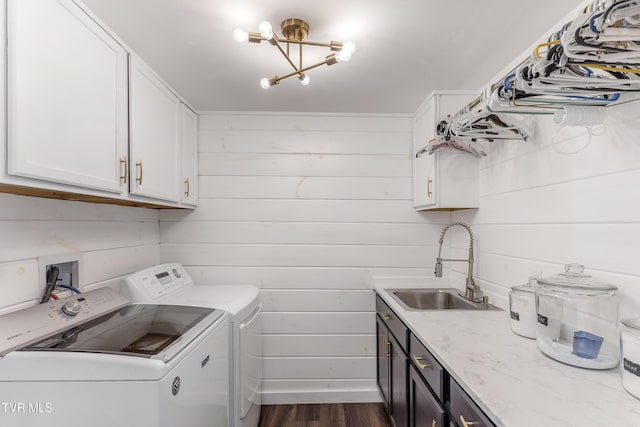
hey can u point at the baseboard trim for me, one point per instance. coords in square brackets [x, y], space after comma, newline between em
[321, 396]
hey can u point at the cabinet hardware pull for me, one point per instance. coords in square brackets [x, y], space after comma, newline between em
[468, 423]
[186, 184]
[386, 317]
[433, 424]
[123, 164]
[139, 167]
[417, 359]
[429, 192]
[387, 348]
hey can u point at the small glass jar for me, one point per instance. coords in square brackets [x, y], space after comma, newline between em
[578, 319]
[522, 309]
[630, 360]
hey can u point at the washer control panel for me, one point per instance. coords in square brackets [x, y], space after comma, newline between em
[154, 282]
[24, 327]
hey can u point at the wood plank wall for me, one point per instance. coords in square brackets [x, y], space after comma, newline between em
[112, 241]
[540, 209]
[309, 208]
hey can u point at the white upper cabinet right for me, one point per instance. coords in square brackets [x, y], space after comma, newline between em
[67, 97]
[189, 140]
[155, 135]
[443, 180]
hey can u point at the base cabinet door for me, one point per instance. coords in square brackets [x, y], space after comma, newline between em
[399, 397]
[382, 363]
[425, 410]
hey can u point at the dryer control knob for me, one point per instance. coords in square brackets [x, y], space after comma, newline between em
[71, 308]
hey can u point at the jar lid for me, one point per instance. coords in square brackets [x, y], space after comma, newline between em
[631, 323]
[523, 288]
[574, 278]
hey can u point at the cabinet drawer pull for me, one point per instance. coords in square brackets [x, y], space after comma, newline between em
[417, 359]
[186, 186]
[139, 167]
[386, 316]
[433, 424]
[387, 348]
[468, 423]
[429, 192]
[123, 174]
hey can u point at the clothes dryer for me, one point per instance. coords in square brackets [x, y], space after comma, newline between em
[171, 284]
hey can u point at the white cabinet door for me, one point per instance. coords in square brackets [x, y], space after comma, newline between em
[67, 97]
[424, 167]
[155, 135]
[442, 180]
[189, 140]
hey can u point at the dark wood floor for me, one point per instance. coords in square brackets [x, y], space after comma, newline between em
[325, 415]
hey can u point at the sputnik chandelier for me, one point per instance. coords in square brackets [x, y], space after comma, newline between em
[294, 31]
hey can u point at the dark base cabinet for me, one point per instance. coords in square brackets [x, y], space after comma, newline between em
[399, 397]
[416, 389]
[424, 408]
[392, 364]
[464, 412]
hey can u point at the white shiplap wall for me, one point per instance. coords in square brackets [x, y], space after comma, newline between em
[309, 208]
[111, 241]
[540, 209]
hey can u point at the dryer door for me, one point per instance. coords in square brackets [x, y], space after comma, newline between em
[250, 361]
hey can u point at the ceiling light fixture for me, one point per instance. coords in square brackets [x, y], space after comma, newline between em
[294, 31]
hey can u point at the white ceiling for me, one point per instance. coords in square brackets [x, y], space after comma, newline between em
[406, 48]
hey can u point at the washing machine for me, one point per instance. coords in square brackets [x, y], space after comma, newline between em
[171, 284]
[95, 359]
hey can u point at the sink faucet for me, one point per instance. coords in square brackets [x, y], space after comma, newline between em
[471, 289]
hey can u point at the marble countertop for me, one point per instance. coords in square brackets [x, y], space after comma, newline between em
[507, 376]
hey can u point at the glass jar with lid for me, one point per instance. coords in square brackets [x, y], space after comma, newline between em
[578, 319]
[522, 309]
[630, 363]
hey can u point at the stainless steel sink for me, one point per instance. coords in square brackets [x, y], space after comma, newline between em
[435, 299]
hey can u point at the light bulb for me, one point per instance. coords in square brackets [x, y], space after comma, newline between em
[267, 83]
[304, 79]
[343, 55]
[349, 47]
[240, 36]
[266, 30]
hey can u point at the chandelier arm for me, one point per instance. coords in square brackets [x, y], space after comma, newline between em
[302, 70]
[309, 43]
[277, 44]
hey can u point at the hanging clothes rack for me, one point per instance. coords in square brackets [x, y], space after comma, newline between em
[590, 61]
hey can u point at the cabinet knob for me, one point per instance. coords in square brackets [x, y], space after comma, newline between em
[468, 423]
[123, 165]
[139, 167]
[429, 182]
[418, 359]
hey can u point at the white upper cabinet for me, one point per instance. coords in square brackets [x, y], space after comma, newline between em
[443, 180]
[155, 136]
[67, 97]
[189, 140]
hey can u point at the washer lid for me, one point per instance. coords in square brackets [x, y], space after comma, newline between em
[143, 330]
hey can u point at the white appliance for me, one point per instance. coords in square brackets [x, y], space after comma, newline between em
[171, 284]
[95, 359]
